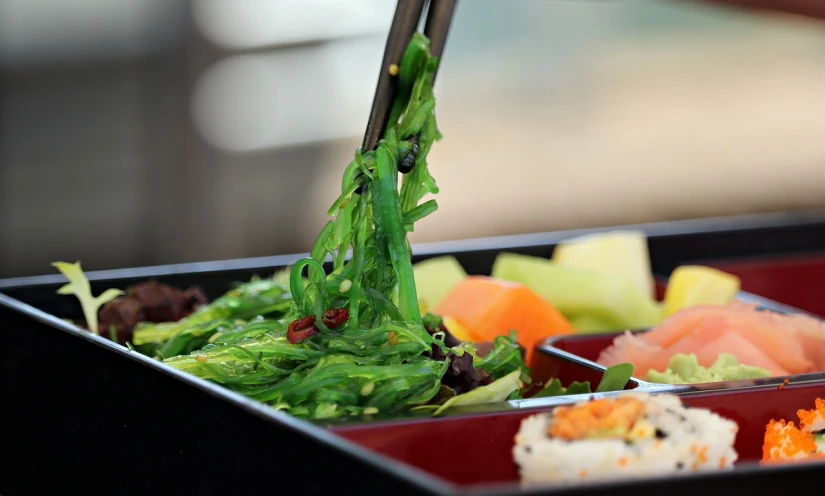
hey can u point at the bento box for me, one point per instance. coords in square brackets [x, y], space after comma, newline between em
[88, 413]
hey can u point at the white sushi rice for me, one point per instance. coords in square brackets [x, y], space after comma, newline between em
[817, 428]
[694, 440]
[820, 443]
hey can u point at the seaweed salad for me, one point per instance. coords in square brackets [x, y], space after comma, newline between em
[348, 339]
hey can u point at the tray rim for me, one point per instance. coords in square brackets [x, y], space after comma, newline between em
[693, 479]
[662, 229]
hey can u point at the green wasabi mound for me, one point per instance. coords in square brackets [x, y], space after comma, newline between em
[685, 369]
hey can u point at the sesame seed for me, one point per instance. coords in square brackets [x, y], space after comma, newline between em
[368, 389]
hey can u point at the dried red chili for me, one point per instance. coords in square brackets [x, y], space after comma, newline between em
[301, 329]
[305, 327]
[335, 317]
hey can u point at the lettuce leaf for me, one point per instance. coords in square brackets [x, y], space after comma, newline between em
[505, 358]
[498, 390]
[614, 379]
[554, 388]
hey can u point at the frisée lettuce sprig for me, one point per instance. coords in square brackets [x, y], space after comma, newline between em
[79, 286]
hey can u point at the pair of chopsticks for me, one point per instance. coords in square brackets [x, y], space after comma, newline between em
[404, 24]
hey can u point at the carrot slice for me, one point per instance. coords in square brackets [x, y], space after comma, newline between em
[486, 307]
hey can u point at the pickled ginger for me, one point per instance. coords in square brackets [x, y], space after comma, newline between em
[782, 344]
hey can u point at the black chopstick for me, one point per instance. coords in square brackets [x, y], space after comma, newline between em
[404, 24]
[439, 18]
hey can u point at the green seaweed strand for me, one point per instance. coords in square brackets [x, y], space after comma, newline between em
[372, 217]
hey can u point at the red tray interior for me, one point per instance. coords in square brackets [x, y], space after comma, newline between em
[546, 367]
[794, 281]
[585, 346]
[478, 449]
[660, 288]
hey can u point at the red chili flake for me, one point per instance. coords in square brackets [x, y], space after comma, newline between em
[787, 381]
[781, 387]
[305, 327]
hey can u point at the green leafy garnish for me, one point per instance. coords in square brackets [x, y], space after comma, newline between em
[554, 388]
[79, 286]
[499, 390]
[432, 321]
[614, 379]
[504, 358]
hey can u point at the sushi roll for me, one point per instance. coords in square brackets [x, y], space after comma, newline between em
[634, 435]
[785, 442]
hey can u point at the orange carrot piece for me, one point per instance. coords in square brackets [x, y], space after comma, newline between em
[488, 307]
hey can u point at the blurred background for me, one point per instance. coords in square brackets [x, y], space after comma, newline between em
[143, 132]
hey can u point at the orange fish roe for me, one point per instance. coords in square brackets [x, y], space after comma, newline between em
[784, 441]
[781, 387]
[703, 455]
[810, 458]
[722, 462]
[622, 462]
[597, 416]
[583, 474]
[787, 381]
[807, 418]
